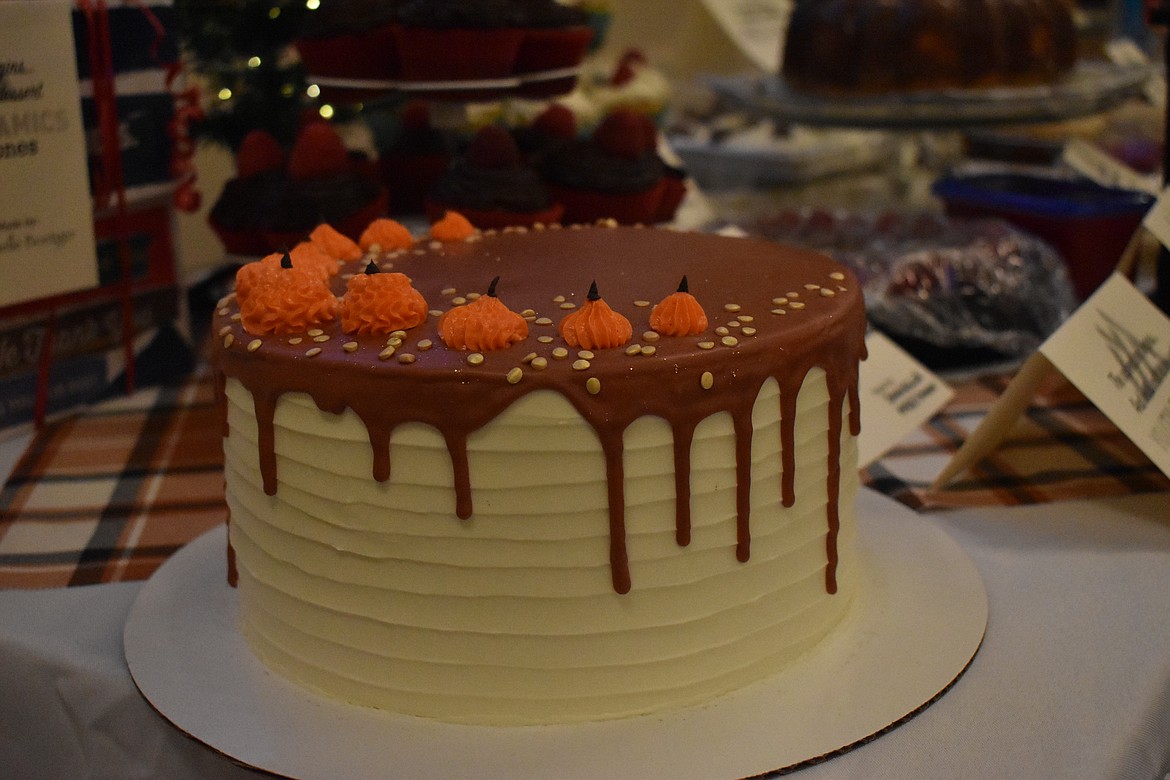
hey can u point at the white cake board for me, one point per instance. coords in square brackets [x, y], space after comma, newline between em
[917, 622]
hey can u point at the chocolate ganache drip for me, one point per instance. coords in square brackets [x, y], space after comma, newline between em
[777, 313]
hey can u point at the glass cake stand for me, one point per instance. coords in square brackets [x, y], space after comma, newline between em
[1092, 87]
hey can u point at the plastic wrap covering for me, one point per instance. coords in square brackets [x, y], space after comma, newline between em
[939, 285]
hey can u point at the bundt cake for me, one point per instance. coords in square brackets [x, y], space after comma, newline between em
[864, 47]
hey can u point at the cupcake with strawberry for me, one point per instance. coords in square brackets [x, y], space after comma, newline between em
[351, 39]
[615, 174]
[323, 183]
[492, 186]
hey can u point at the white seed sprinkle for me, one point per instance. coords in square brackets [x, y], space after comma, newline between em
[812, 287]
[633, 349]
[797, 305]
[580, 365]
[731, 307]
[722, 330]
[793, 294]
[435, 312]
[837, 276]
[568, 305]
[315, 332]
[425, 344]
[228, 340]
[706, 345]
[528, 313]
[827, 293]
[593, 385]
[350, 346]
[474, 296]
[748, 331]
[313, 352]
[295, 340]
[529, 357]
[458, 300]
[543, 321]
[641, 304]
[406, 357]
[539, 363]
[585, 354]
[448, 291]
[386, 353]
[779, 311]
[649, 349]
[780, 301]
[707, 380]
[746, 318]
[651, 335]
[226, 329]
[475, 359]
[254, 345]
[560, 353]
[515, 375]
[222, 311]
[545, 339]
[394, 341]
[237, 316]
[559, 299]
[322, 338]
[729, 341]
[398, 333]
[734, 324]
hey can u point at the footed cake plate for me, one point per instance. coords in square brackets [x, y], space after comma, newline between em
[917, 621]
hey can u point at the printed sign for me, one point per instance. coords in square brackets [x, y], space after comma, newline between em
[1116, 350]
[46, 218]
[755, 26]
[898, 394]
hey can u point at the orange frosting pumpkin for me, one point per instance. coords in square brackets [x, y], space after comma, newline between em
[283, 298]
[387, 235]
[452, 227]
[679, 314]
[378, 303]
[595, 325]
[483, 325]
[336, 244]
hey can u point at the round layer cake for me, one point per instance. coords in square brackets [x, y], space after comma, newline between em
[586, 523]
[881, 46]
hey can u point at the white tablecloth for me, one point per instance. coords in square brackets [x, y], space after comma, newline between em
[1072, 680]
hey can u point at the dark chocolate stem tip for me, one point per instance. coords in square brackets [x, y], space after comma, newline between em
[682, 285]
[286, 261]
[492, 287]
[372, 268]
[593, 294]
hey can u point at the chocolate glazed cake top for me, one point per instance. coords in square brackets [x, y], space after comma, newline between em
[774, 312]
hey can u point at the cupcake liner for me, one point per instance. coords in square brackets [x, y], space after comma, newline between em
[459, 54]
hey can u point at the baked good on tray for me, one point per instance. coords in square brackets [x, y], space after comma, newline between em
[541, 476]
[881, 46]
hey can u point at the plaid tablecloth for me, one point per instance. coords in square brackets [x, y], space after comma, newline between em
[108, 494]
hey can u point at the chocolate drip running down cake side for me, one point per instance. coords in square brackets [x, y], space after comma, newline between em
[581, 524]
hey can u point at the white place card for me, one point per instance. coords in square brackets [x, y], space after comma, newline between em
[1116, 350]
[46, 217]
[755, 26]
[1157, 219]
[898, 394]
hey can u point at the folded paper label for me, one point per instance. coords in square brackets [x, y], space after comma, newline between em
[898, 394]
[1116, 350]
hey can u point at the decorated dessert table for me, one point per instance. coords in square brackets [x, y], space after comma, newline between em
[1066, 524]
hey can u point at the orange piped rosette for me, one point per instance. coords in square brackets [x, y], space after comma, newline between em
[453, 226]
[334, 243]
[595, 325]
[386, 235]
[377, 302]
[283, 299]
[483, 325]
[678, 314]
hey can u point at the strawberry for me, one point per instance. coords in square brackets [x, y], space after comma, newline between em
[625, 133]
[556, 121]
[493, 147]
[258, 152]
[318, 152]
[627, 67]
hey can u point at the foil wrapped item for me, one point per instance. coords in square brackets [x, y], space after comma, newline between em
[942, 286]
